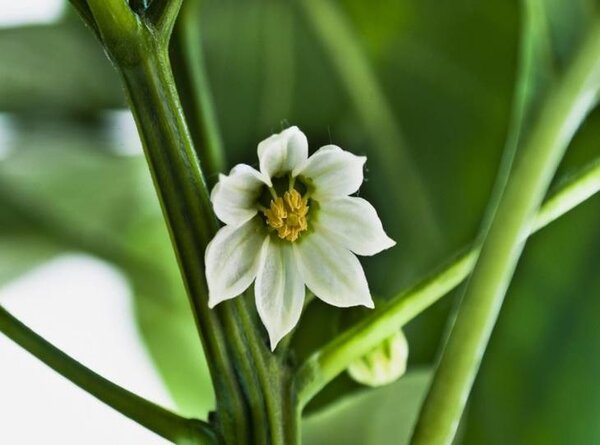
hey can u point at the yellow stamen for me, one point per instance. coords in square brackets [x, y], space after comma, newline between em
[287, 215]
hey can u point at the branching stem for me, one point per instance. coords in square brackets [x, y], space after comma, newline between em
[327, 363]
[566, 107]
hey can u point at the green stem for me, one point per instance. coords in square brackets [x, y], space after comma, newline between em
[161, 15]
[328, 362]
[533, 50]
[159, 420]
[376, 114]
[560, 117]
[142, 58]
[278, 405]
[573, 191]
[192, 84]
[249, 379]
[186, 206]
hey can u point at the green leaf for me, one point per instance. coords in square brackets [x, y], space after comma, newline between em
[375, 417]
[55, 68]
[19, 252]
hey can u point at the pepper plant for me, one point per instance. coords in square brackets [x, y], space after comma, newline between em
[303, 228]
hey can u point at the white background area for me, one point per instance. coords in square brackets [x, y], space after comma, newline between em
[22, 12]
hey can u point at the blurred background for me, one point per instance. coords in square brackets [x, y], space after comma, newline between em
[425, 89]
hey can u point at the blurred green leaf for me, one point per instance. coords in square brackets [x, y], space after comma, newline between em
[19, 252]
[55, 68]
[63, 189]
[376, 417]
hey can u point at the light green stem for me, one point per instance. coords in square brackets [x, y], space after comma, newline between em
[327, 363]
[375, 113]
[574, 190]
[561, 115]
[159, 420]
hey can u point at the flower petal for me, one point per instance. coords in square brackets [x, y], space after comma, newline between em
[353, 223]
[279, 290]
[234, 197]
[333, 171]
[282, 152]
[331, 271]
[232, 259]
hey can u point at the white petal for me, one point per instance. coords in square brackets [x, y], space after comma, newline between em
[282, 152]
[279, 290]
[354, 224]
[232, 259]
[331, 271]
[333, 171]
[234, 197]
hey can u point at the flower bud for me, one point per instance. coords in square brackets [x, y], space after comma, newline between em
[384, 364]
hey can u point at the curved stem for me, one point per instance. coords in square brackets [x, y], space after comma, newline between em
[328, 362]
[157, 419]
[561, 115]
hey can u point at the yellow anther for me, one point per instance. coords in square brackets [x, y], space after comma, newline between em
[287, 215]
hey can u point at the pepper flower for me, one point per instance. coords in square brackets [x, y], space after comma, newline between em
[293, 225]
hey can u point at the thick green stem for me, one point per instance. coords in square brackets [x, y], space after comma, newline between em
[142, 59]
[560, 117]
[159, 420]
[185, 202]
[327, 363]
[237, 371]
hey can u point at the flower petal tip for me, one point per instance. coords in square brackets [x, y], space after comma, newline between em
[212, 302]
[275, 336]
[274, 342]
[388, 243]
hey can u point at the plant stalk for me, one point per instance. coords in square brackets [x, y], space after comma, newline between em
[250, 408]
[565, 108]
[331, 360]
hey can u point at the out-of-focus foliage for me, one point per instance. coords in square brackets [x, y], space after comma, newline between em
[55, 69]
[393, 410]
[65, 188]
[448, 71]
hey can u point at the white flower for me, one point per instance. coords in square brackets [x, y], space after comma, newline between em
[293, 224]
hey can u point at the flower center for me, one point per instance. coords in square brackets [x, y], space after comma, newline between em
[287, 215]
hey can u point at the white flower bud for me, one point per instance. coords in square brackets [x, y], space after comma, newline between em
[384, 364]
